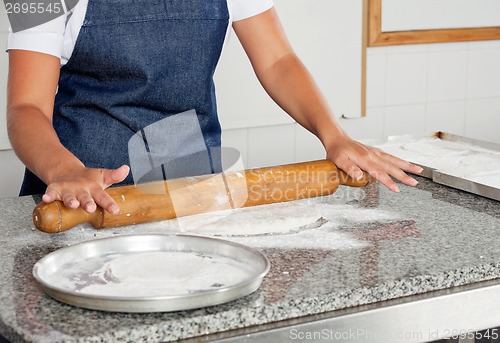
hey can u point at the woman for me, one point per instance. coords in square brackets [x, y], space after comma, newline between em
[127, 64]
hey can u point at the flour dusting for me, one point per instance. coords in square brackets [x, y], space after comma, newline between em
[329, 235]
[269, 219]
[162, 273]
[491, 179]
[459, 159]
[440, 154]
[326, 233]
[486, 174]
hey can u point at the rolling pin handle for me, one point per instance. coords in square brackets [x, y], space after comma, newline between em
[55, 217]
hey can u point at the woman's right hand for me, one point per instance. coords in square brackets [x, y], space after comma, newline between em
[33, 79]
[85, 188]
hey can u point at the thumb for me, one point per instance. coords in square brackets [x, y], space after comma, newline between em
[112, 176]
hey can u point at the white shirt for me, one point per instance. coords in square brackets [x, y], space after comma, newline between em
[58, 37]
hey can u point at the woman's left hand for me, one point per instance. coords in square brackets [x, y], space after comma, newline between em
[291, 86]
[354, 157]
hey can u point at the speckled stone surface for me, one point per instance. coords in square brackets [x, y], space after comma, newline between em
[435, 238]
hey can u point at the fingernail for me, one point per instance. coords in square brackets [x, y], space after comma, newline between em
[395, 188]
[414, 182]
[114, 209]
[420, 169]
[359, 176]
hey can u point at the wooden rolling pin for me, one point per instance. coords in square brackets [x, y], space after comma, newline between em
[163, 200]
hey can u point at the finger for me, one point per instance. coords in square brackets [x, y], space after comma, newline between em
[383, 178]
[402, 164]
[395, 167]
[86, 202]
[413, 168]
[50, 195]
[379, 169]
[403, 177]
[105, 201]
[111, 177]
[349, 167]
[69, 200]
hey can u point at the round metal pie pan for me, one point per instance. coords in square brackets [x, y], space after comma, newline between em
[61, 262]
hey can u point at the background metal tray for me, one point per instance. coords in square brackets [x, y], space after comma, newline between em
[66, 259]
[455, 177]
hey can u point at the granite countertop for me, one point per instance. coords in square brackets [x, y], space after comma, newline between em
[376, 245]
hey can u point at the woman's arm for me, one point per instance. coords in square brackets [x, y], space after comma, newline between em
[291, 86]
[32, 85]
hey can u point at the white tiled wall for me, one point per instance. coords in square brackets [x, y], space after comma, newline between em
[307, 146]
[451, 87]
[4, 30]
[445, 116]
[271, 145]
[482, 118]
[401, 119]
[11, 174]
[484, 72]
[405, 78]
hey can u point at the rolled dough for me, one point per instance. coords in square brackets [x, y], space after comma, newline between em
[437, 148]
[440, 154]
[166, 273]
[277, 218]
[157, 267]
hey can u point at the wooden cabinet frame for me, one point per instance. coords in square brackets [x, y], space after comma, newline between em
[378, 38]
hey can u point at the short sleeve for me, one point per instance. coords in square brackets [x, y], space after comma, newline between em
[46, 38]
[242, 9]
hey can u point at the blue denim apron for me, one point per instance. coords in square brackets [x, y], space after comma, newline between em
[136, 62]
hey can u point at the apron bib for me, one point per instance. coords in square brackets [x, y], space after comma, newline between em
[136, 62]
